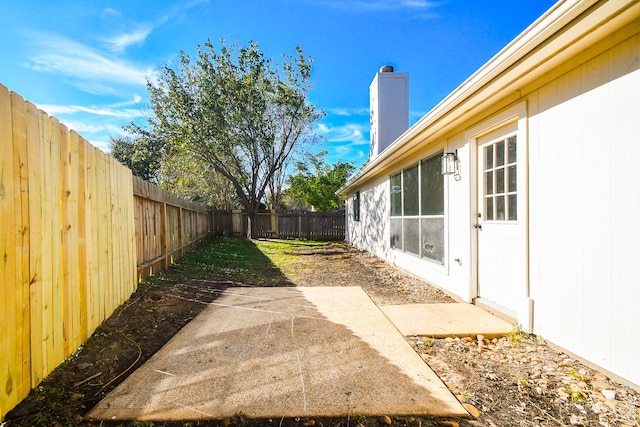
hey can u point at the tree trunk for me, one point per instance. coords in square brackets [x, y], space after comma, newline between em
[252, 226]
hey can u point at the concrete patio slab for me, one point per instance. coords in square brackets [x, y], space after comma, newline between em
[283, 352]
[446, 320]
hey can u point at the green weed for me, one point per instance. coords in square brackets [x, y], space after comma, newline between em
[575, 394]
[576, 375]
[516, 336]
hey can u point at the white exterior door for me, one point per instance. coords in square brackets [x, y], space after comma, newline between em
[501, 219]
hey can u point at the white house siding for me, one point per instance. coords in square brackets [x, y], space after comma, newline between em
[371, 232]
[581, 122]
[584, 209]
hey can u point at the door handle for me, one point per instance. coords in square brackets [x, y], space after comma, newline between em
[478, 226]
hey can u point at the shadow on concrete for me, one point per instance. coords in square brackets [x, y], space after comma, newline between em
[283, 352]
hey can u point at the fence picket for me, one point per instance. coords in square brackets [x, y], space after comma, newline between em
[9, 395]
[36, 177]
[77, 232]
[21, 190]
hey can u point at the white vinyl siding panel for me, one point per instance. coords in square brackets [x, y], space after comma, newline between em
[588, 195]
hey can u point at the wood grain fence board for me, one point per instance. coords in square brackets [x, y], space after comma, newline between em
[57, 343]
[131, 232]
[100, 248]
[111, 291]
[72, 238]
[82, 333]
[74, 265]
[67, 241]
[48, 206]
[21, 213]
[8, 392]
[36, 252]
[89, 208]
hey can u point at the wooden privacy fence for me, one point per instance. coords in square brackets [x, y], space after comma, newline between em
[166, 226]
[284, 224]
[311, 225]
[67, 248]
[73, 240]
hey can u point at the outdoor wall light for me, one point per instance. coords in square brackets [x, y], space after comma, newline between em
[451, 165]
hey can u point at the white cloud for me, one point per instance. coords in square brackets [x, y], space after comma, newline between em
[110, 13]
[347, 112]
[344, 138]
[120, 42]
[53, 109]
[86, 128]
[85, 67]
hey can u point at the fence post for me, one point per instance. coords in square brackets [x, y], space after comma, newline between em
[164, 244]
[236, 222]
[274, 223]
[180, 232]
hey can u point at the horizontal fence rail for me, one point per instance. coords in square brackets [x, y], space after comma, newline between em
[166, 227]
[303, 225]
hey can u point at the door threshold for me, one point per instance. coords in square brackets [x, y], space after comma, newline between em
[497, 310]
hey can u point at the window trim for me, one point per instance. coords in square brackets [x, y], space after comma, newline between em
[401, 217]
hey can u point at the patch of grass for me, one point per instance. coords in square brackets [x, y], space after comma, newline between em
[260, 262]
[283, 252]
[238, 259]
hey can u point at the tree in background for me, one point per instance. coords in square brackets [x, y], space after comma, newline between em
[176, 172]
[237, 113]
[315, 183]
[182, 175]
[141, 154]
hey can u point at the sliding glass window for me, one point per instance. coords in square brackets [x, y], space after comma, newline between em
[417, 210]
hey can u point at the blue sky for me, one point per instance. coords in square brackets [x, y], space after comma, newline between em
[86, 62]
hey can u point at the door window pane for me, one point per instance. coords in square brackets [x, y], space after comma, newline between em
[500, 181]
[410, 190]
[513, 207]
[396, 194]
[500, 212]
[432, 186]
[489, 182]
[513, 179]
[488, 155]
[500, 153]
[488, 208]
[411, 235]
[512, 149]
[433, 239]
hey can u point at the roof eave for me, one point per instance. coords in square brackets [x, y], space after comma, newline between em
[491, 77]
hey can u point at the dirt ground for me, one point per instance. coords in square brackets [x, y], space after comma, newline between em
[519, 380]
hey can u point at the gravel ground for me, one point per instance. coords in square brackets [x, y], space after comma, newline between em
[518, 380]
